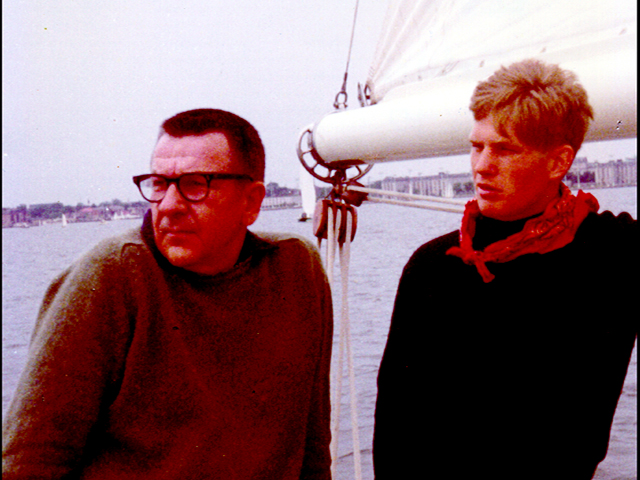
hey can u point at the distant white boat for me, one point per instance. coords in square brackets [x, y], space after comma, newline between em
[64, 220]
[308, 193]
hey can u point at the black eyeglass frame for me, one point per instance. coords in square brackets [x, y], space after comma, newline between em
[138, 179]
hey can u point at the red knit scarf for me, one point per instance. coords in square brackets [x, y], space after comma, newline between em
[554, 229]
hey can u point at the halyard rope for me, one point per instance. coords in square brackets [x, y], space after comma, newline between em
[333, 236]
[343, 91]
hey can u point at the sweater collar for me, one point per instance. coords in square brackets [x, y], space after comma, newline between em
[490, 230]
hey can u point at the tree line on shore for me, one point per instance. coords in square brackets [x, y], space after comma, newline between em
[36, 214]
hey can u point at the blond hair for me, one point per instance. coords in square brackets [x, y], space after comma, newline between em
[544, 104]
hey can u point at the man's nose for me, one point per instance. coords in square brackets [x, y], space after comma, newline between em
[485, 163]
[172, 200]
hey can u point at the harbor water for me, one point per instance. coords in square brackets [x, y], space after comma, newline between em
[387, 235]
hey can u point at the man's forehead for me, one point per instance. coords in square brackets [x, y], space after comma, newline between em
[486, 131]
[210, 145]
[206, 152]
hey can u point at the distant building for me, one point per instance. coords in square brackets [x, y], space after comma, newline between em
[277, 197]
[89, 214]
[283, 201]
[615, 173]
[272, 189]
[442, 185]
[582, 174]
[12, 216]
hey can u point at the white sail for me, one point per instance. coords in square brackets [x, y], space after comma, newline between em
[308, 194]
[64, 220]
[432, 53]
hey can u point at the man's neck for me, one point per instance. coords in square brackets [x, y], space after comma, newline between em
[489, 230]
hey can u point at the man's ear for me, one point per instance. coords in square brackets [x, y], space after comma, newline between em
[253, 196]
[561, 159]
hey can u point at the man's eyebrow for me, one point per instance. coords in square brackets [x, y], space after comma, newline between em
[499, 143]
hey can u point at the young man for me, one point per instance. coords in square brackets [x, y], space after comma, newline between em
[189, 348]
[510, 339]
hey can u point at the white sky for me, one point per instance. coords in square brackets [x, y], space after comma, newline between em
[87, 84]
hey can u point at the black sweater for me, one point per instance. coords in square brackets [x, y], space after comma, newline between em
[516, 378]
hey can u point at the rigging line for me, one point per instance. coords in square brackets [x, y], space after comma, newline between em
[412, 196]
[353, 29]
[333, 232]
[416, 205]
[345, 254]
[343, 91]
[338, 218]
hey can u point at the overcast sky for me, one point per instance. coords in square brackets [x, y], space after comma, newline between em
[86, 85]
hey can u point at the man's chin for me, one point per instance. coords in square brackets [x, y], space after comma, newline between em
[491, 210]
[486, 208]
[178, 256]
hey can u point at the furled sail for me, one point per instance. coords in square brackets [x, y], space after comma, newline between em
[432, 53]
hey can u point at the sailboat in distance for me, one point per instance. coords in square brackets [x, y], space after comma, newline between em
[308, 194]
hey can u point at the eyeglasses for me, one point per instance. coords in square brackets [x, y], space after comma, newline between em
[194, 187]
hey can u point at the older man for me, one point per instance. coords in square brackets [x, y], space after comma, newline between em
[189, 348]
[510, 338]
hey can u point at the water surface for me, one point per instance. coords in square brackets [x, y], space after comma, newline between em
[387, 236]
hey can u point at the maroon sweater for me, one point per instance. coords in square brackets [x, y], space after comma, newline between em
[138, 369]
